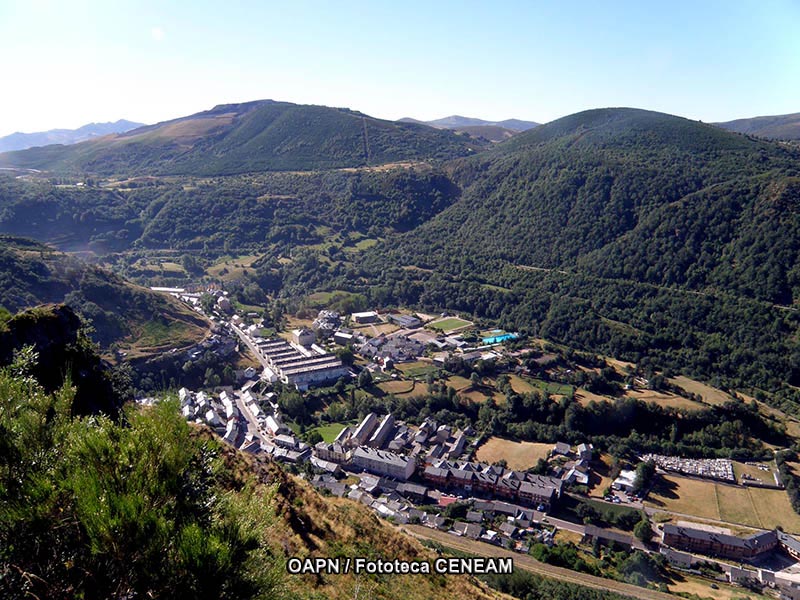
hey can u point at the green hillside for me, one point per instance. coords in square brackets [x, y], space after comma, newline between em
[250, 137]
[624, 231]
[244, 212]
[120, 313]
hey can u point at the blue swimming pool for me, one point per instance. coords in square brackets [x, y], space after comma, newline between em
[496, 339]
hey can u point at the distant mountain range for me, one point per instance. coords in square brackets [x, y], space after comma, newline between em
[23, 141]
[494, 131]
[776, 127]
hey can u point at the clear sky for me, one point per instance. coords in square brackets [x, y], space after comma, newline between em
[67, 63]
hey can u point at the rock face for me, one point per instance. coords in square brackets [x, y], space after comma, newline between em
[65, 354]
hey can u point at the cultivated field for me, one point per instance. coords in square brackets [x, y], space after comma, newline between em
[518, 455]
[585, 397]
[331, 430]
[458, 382]
[520, 385]
[664, 399]
[417, 368]
[398, 387]
[710, 395]
[696, 587]
[233, 268]
[684, 495]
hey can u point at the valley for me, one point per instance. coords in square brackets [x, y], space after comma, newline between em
[478, 337]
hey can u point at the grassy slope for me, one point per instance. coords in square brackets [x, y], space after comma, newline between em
[138, 320]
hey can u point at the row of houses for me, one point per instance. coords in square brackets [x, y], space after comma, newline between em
[538, 490]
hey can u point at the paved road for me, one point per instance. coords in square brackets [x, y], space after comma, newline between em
[528, 563]
[252, 423]
[250, 345]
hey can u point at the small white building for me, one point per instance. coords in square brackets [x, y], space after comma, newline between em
[625, 482]
[364, 317]
[303, 337]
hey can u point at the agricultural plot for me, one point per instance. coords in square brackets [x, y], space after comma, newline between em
[417, 369]
[665, 399]
[520, 385]
[709, 394]
[697, 587]
[233, 268]
[518, 455]
[684, 495]
[331, 430]
[397, 387]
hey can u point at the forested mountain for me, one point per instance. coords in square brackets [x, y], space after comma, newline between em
[22, 141]
[243, 212]
[624, 193]
[250, 137]
[777, 127]
[626, 231]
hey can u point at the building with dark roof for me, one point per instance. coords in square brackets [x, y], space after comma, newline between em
[701, 541]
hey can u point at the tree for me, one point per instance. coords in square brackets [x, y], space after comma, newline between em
[642, 530]
[364, 378]
[475, 379]
[645, 472]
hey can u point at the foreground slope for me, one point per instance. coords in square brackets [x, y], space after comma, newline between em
[250, 137]
[151, 507]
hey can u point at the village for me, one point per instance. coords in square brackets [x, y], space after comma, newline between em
[428, 474]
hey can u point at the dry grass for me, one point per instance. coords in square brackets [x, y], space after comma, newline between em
[702, 589]
[601, 478]
[397, 386]
[521, 386]
[752, 507]
[773, 508]
[585, 397]
[458, 382]
[518, 455]
[666, 400]
[736, 505]
[709, 394]
[684, 495]
[232, 269]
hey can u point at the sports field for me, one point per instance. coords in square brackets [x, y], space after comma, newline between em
[449, 324]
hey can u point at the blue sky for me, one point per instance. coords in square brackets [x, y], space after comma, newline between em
[69, 63]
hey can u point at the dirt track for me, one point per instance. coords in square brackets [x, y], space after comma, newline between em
[528, 563]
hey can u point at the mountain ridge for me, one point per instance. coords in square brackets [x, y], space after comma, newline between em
[775, 127]
[261, 135]
[23, 141]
